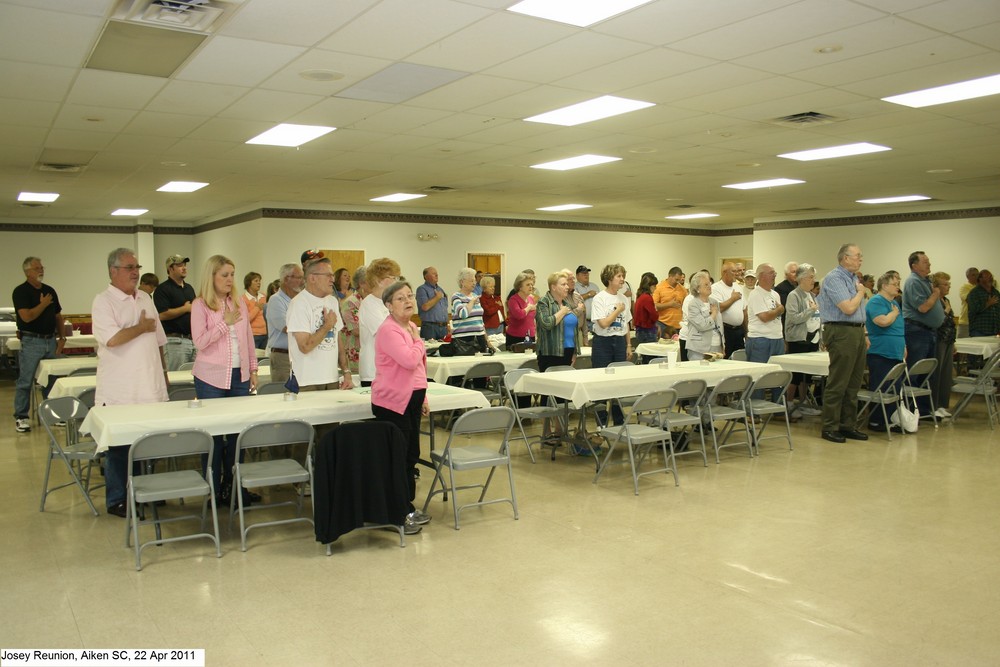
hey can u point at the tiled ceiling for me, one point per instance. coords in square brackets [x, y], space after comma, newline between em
[719, 72]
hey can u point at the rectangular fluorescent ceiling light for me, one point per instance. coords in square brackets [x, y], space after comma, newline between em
[835, 151]
[692, 216]
[181, 186]
[287, 134]
[953, 92]
[892, 200]
[575, 162]
[38, 196]
[773, 183]
[130, 211]
[591, 110]
[580, 13]
[399, 196]
[564, 207]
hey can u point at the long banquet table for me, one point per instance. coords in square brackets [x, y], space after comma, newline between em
[440, 369]
[596, 384]
[74, 385]
[812, 363]
[75, 342]
[48, 369]
[119, 425]
[983, 346]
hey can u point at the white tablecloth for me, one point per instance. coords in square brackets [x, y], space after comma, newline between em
[440, 369]
[813, 363]
[76, 342]
[77, 384]
[118, 425]
[983, 346]
[61, 367]
[583, 386]
[658, 349]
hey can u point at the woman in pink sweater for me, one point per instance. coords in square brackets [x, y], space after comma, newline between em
[226, 363]
[399, 390]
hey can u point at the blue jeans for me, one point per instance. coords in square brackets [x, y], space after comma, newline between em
[178, 351]
[433, 330]
[921, 343]
[224, 453]
[604, 351]
[760, 350]
[115, 475]
[33, 350]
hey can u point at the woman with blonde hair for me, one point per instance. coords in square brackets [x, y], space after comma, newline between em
[226, 363]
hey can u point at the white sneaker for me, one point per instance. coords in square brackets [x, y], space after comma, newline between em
[941, 413]
[22, 425]
[811, 412]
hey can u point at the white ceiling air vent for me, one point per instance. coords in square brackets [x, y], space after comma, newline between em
[807, 118]
[202, 16]
[437, 188]
[61, 168]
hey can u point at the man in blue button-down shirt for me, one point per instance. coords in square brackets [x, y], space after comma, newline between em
[842, 310]
[277, 307]
[432, 302]
[924, 314]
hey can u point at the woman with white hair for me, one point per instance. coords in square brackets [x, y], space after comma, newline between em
[802, 332]
[467, 312]
[704, 319]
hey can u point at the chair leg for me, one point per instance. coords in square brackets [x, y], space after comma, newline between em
[45, 483]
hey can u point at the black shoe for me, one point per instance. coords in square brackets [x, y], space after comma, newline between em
[854, 435]
[834, 436]
[118, 510]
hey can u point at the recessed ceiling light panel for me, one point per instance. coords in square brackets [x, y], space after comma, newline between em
[181, 186]
[38, 196]
[581, 13]
[288, 134]
[133, 212]
[399, 196]
[692, 216]
[953, 92]
[893, 200]
[773, 183]
[835, 151]
[564, 207]
[591, 110]
[575, 162]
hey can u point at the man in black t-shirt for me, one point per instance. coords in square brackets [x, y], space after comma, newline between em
[173, 300]
[40, 328]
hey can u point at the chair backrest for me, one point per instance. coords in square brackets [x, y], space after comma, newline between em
[557, 369]
[582, 362]
[530, 363]
[269, 434]
[183, 394]
[739, 355]
[63, 409]
[186, 366]
[659, 360]
[263, 362]
[778, 380]
[170, 444]
[616, 364]
[735, 384]
[484, 369]
[924, 367]
[483, 420]
[271, 388]
[82, 371]
[661, 400]
[888, 383]
[511, 378]
[690, 390]
[88, 396]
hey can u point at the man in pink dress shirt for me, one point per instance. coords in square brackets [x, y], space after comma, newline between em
[130, 364]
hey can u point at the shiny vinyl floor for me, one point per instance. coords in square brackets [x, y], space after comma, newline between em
[877, 553]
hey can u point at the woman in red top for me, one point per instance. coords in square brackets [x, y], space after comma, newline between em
[493, 316]
[521, 310]
[645, 316]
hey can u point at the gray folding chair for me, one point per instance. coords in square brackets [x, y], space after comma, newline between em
[640, 438]
[87, 397]
[69, 410]
[911, 389]
[152, 487]
[544, 412]
[735, 412]
[273, 472]
[764, 410]
[884, 394]
[739, 355]
[983, 384]
[492, 372]
[182, 393]
[78, 372]
[581, 362]
[263, 362]
[690, 393]
[186, 366]
[459, 458]
[531, 363]
[271, 388]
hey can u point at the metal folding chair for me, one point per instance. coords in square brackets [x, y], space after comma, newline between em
[736, 411]
[545, 412]
[911, 389]
[764, 410]
[884, 394]
[641, 432]
[68, 410]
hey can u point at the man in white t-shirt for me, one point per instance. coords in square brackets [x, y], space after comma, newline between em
[312, 324]
[764, 309]
[729, 294]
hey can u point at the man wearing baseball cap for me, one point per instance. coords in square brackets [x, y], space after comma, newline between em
[586, 291]
[173, 302]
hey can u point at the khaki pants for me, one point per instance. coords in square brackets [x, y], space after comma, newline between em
[846, 345]
[281, 367]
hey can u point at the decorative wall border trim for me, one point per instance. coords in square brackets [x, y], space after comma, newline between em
[417, 218]
[48, 228]
[884, 219]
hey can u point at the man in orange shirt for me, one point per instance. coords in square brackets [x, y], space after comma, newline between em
[668, 297]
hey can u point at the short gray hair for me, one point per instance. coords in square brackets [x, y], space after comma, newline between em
[391, 290]
[359, 276]
[117, 254]
[695, 281]
[804, 270]
[286, 271]
[29, 260]
[843, 252]
[464, 274]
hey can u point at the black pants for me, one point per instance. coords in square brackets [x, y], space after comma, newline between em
[734, 336]
[409, 424]
[545, 360]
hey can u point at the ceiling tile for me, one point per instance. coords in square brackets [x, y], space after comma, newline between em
[46, 37]
[269, 105]
[399, 119]
[31, 81]
[338, 112]
[986, 35]
[240, 62]
[573, 55]
[93, 119]
[190, 97]
[103, 88]
[955, 15]
[469, 92]
[157, 124]
[293, 22]
[353, 68]
[29, 112]
[636, 70]
[78, 140]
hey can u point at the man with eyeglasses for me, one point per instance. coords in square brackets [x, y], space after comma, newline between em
[312, 324]
[924, 314]
[277, 312]
[131, 365]
[841, 304]
[173, 300]
[40, 328]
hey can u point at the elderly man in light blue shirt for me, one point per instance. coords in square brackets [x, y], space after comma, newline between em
[924, 314]
[842, 311]
[277, 307]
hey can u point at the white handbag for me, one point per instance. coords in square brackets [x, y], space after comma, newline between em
[905, 418]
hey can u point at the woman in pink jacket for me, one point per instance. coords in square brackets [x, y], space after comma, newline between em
[226, 363]
[399, 390]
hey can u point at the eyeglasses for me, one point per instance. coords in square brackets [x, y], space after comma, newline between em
[403, 297]
[322, 275]
[130, 267]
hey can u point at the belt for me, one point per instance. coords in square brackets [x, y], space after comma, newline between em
[429, 322]
[280, 349]
[845, 324]
[177, 335]
[920, 324]
[732, 326]
[32, 334]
